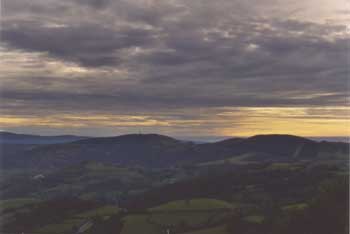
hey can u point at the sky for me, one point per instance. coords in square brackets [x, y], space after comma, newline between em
[175, 67]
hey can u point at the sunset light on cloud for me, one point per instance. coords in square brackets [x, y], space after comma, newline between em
[175, 67]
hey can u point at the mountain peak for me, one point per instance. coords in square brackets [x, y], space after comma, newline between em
[129, 138]
[279, 138]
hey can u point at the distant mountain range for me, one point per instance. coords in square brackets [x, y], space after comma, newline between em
[13, 138]
[16, 138]
[152, 150]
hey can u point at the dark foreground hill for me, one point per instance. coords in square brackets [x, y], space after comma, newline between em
[152, 150]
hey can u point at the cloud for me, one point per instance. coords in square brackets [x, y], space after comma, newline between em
[95, 3]
[138, 56]
[89, 45]
[241, 121]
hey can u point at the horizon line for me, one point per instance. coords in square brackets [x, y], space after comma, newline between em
[180, 137]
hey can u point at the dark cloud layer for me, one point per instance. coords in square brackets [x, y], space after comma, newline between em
[159, 55]
[90, 45]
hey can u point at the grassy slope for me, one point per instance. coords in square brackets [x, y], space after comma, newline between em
[16, 203]
[192, 213]
[77, 220]
[139, 224]
[216, 230]
[239, 159]
[194, 204]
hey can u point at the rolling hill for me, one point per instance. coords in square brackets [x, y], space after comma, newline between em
[156, 151]
[24, 139]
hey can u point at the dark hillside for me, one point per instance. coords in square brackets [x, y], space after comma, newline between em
[152, 150]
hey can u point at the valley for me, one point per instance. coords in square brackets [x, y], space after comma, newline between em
[155, 184]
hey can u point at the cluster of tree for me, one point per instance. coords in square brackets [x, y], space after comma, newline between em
[49, 212]
[328, 213]
[275, 184]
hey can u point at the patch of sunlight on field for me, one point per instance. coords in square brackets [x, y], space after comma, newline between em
[254, 218]
[298, 206]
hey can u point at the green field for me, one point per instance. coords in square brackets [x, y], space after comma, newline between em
[70, 224]
[239, 159]
[216, 230]
[100, 212]
[139, 224]
[16, 203]
[157, 223]
[293, 207]
[178, 214]
[254, 218]
[194, 204]
[61, 228]
[183, 218]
